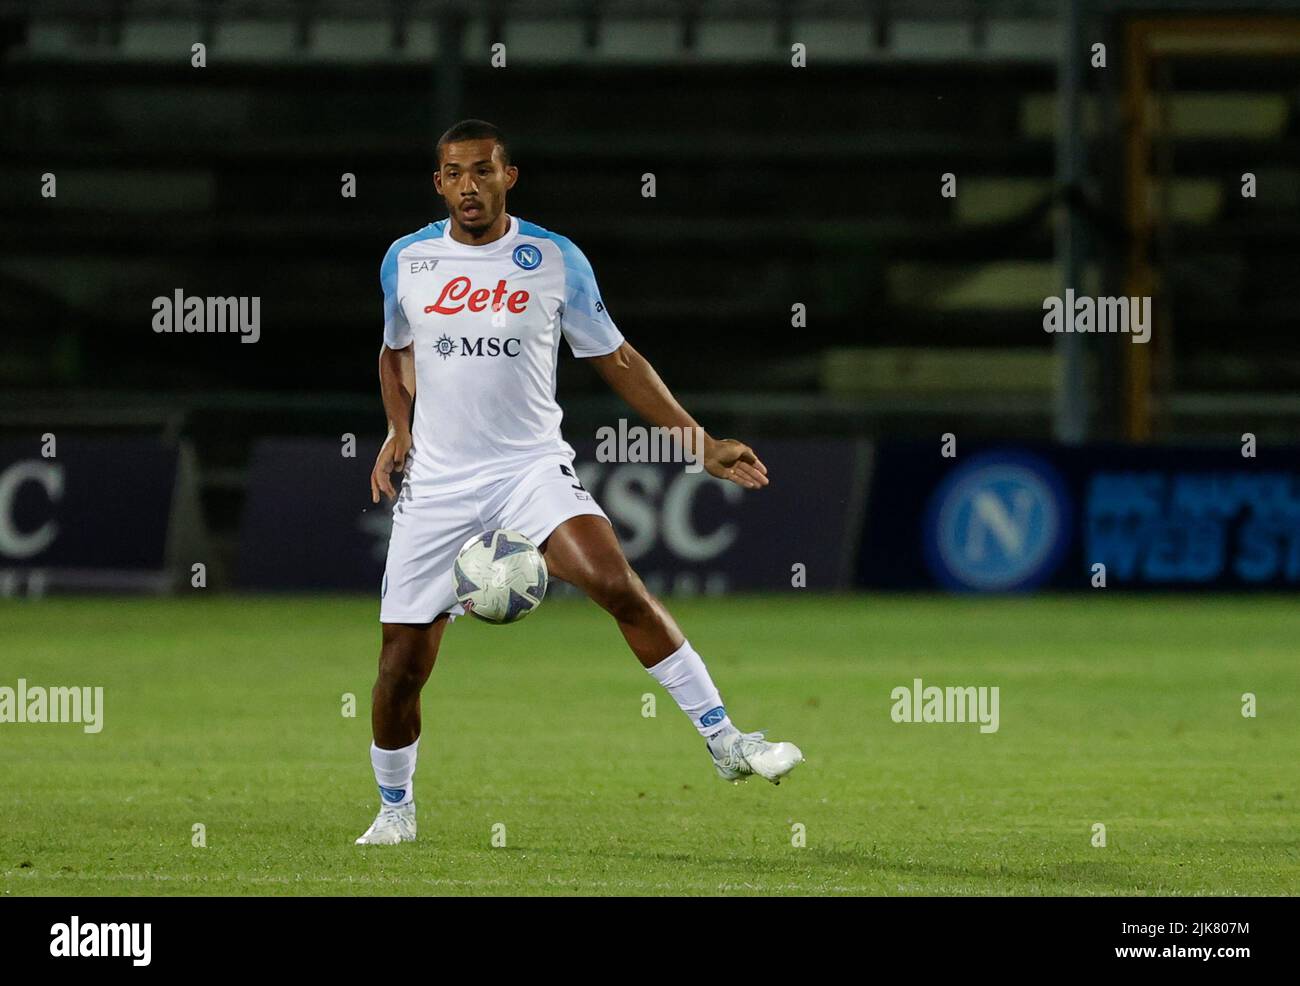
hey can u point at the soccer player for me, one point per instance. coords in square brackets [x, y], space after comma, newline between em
[474, 307]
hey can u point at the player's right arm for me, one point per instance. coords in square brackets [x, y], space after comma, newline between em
[396, 380]
[397, 388]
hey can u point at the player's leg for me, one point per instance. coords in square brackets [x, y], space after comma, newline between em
[585, 552]
[417, 597]
[406, 659]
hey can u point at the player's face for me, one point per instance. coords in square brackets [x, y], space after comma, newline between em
[473, 182]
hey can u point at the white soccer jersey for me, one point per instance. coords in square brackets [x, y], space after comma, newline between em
[486, 323]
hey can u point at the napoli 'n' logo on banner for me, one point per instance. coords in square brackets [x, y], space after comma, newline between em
[998, 523]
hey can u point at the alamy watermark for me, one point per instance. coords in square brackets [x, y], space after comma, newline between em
[1082, 313]
[182, 314]
[656, 444]
[103, 939]
[59, 704]
[930, 703]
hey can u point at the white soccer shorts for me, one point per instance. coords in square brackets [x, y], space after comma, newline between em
[428, 531]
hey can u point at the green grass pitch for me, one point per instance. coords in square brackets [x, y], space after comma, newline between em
[227, 712]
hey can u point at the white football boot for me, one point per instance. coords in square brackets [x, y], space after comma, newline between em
[393, 824]
[736, 755]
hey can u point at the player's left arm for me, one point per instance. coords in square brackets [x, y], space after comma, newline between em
[632, 377]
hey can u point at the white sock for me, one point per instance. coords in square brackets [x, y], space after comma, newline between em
[395, 773]
[687, 680]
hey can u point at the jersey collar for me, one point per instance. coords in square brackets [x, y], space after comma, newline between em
[496, 246]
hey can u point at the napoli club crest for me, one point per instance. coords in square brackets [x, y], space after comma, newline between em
[527, 256]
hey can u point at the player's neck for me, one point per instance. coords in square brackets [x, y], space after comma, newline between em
[498, 229]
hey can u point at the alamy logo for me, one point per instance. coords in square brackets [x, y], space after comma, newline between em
[657, 444]
[102, 940]
[1086, 314]
[952, 704]
[181, 314]
[84, 705]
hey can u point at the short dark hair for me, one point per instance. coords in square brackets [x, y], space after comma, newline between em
[472, 130]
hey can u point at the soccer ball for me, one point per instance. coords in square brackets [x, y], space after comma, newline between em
[500, 576]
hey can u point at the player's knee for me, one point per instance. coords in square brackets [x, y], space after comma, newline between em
[623, 595]
[403, 666]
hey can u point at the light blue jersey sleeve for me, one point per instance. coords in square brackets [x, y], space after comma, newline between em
[397, 331]
[584, 319]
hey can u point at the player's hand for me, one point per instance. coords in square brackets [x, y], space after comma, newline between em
[736, 461]
[391, 458]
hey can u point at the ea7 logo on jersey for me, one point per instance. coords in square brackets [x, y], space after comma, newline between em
[422, 266]
[459, 295]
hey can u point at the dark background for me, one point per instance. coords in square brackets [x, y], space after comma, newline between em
[775, 186]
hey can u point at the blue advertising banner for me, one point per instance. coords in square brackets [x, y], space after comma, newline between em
[687, 533]
[85, 513]
[309, 522]
[1025, 517]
